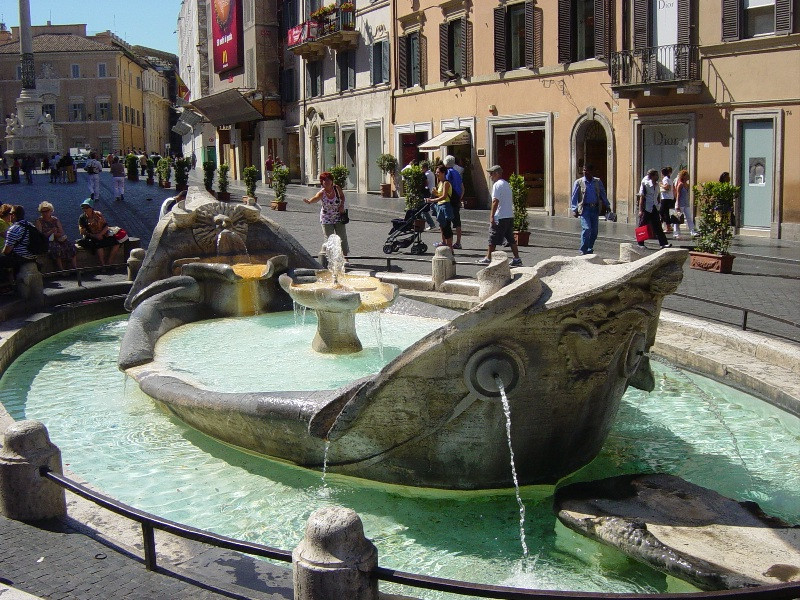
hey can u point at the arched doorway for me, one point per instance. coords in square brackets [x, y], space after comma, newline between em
[592, 149]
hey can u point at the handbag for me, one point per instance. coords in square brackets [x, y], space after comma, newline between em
[643, 233]
[344, 217]
[118, 234]
[676, 217]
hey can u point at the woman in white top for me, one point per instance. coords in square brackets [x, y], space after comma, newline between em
[332, 209]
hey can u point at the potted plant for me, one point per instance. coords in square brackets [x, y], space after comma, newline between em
[388, 166]
[164, 170]
[519, 199]
[413, 185]
[346, 16]
[340, 173]
[222, 183]
[250, 175]
[209, 167]
[182, 166]
[132, 167]
[715, 201]
[151, 168]
[280, 179]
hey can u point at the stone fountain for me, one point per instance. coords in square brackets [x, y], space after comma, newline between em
[336, 297]
[565, 338]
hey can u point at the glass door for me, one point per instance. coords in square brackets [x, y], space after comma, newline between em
[756, 168]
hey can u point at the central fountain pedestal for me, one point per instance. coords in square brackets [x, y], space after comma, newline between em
[335, 298]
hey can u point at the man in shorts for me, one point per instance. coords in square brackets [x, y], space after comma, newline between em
[501, 217]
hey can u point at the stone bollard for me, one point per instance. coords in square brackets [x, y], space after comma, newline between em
[30, 285]
[334, 560]
[24, 494]
[442, 266]
[135, 260]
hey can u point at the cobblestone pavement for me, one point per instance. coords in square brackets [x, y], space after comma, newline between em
[56, 561]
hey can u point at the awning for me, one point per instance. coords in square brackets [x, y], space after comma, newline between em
[186, 122]
[181, 129]
[227, 108]
[446, 138]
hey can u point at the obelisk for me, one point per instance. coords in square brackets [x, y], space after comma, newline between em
[28, 131]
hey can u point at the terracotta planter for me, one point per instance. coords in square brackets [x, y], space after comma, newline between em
[716, 263]
[278, 205]
[522, 237]
[224, 196]
[386, 190]
[249, 200]
[166, 184]
[150, 181]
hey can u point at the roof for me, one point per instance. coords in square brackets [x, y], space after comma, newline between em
[59, 42]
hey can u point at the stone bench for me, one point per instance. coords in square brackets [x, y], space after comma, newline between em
[86, 259]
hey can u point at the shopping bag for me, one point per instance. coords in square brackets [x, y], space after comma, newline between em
[643, 233]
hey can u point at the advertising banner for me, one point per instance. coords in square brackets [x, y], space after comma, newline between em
[226, 33]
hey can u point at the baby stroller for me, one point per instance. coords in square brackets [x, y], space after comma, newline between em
[407, 232]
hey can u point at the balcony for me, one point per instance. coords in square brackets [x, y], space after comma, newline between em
[337, 30]
[302, 40]
[655, 71]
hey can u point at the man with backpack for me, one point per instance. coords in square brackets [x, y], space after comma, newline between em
[23, 242]
[588, 195]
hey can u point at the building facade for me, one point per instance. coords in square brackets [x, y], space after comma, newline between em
[92, 87]
[542, 88]
[343, 112]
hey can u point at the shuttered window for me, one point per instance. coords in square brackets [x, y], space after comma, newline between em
[379, 62]
[585, 29]
[752, 18]
[346, 70]
[517, 37]
[454, 49]
[410, 60]
[314, 78]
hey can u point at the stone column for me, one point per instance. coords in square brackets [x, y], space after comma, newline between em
[442, 266]
[334, 560]
[24, 494]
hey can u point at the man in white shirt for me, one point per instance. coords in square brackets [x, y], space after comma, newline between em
[501, 217]
[649, 205]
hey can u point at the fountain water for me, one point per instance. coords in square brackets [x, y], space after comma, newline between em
[507, 412]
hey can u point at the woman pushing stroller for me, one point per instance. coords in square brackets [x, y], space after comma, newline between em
[441, 203]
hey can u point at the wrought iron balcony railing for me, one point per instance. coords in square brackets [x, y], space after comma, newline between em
[335, 29]
[657, 64]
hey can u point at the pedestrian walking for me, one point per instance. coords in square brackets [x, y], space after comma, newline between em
[118, 175]
[455, 179]
[501, 217]
[442, 201]
[332, 211]
[649, 205]
[93, 168]
[4, 166]
[430, 186]
[588, 195]
[682, 188]
[667, 195]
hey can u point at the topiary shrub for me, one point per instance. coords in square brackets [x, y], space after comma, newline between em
[715, 202]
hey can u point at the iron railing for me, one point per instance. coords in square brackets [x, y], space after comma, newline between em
[316, 29]
[656, 64]
[150, 523]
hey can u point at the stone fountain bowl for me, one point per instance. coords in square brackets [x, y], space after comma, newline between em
[358, 293]
[566, 338]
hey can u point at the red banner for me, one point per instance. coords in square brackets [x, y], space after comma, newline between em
[301, 33]
[226, 33]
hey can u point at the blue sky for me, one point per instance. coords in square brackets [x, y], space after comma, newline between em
[144, 22]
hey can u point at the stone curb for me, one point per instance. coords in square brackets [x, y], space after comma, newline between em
[763, 365]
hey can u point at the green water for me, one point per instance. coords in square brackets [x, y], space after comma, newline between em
[113, 436]
[282, 358]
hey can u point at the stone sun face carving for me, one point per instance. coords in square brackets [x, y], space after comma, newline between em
[211, 220]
